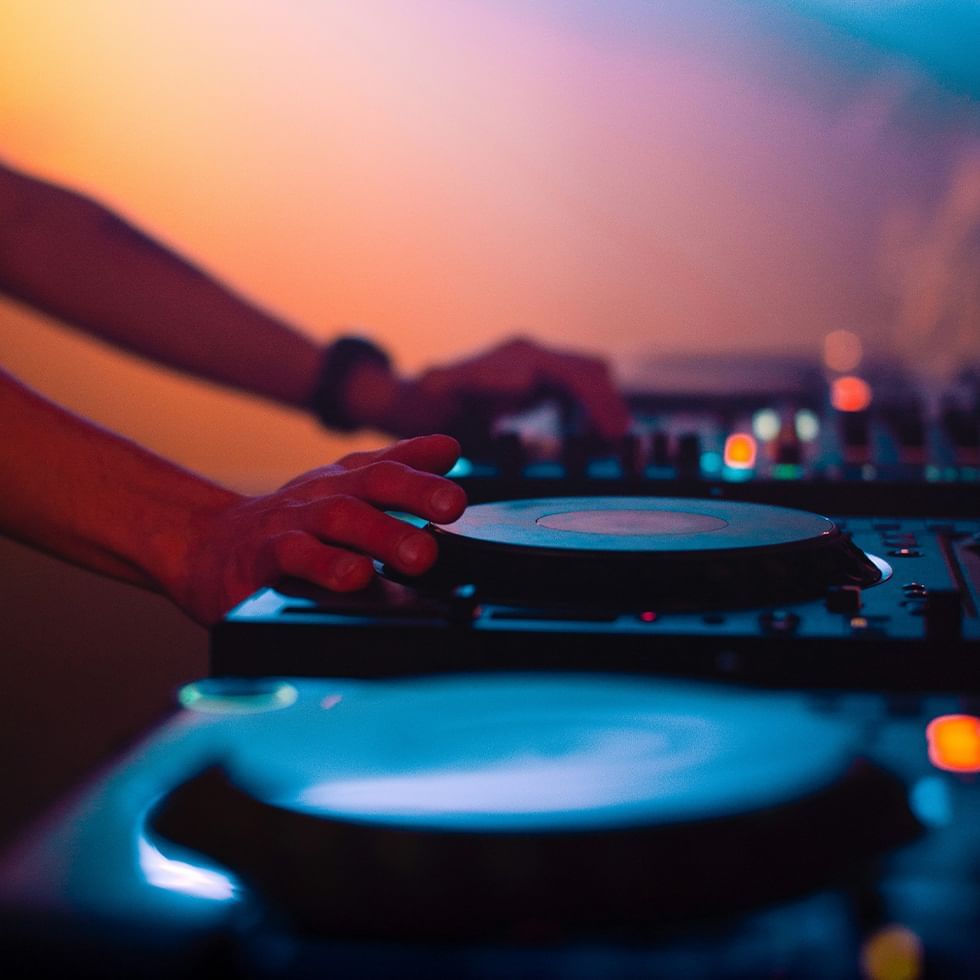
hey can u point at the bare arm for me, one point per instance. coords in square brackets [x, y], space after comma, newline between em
[70, 257]
[100, 501]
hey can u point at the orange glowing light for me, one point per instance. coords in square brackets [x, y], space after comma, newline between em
[842, 350]
[954, 743]
[850, 393]
[892, 953]
[740, 451]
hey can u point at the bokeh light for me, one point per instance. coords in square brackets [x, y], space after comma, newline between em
[807, 425]
[954, 743]
[766, 424]
[740, 451]
[842, 350]
[892, 953]
[850, 393]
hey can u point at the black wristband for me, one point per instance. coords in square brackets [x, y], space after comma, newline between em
[339, 359]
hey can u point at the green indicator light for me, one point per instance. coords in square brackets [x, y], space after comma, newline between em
[932, 474]
[787, 471]
[234, 697]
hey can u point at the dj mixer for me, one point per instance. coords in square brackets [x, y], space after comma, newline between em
[702, 703]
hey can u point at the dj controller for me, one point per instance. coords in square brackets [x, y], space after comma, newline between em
[705, 702]
[769, 597]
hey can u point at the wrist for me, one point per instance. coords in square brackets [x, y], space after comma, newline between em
[356, 387]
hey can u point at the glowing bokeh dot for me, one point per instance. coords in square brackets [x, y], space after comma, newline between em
[850, 393]
[766, 424]
[842, 350]
[892, 953]
[954, 743]
[807, 425]
[740, 451]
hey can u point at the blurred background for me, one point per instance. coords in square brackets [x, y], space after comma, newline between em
[641, 179]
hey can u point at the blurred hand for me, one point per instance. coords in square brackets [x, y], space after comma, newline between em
[501, 380]
[324, 527]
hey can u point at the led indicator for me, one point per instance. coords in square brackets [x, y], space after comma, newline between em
[740, 451]
[766, 424]
[850, 393]
[954, 743]
[649, 616]
[807, 425]
[710, 463]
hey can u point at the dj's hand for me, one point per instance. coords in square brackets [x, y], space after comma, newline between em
[501, 380]
[325, 526]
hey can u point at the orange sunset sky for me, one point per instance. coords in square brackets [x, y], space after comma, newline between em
[630, 178]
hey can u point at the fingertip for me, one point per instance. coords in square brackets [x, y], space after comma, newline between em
[448, 503]
[416, 553]
[446, 448]
[350, 573]
[435, 453]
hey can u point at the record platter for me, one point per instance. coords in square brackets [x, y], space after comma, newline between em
[560, 825]
[682, 585]
[666, 552]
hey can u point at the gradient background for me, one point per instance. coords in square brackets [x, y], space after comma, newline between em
[630, 177]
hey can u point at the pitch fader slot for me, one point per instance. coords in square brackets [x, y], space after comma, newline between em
[962, 428]
[855, 432]
[908, 429]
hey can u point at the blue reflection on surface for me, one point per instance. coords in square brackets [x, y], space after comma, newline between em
[180, 876]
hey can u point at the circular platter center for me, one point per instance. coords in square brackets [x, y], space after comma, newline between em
[631, 522]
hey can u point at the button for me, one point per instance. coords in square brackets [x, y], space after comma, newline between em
[904, 553]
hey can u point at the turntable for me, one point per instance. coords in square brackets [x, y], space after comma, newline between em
[667, 553]
[557, 825]
[697, 587]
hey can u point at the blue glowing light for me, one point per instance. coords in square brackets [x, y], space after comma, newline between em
[462, 467]
[536, 751]
[179, 876]
[930, 802]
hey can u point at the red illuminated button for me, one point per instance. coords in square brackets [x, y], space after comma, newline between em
[954, 743]
[850, 394]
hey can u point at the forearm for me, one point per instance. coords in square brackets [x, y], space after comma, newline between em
[94, 498]
[73, 259]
